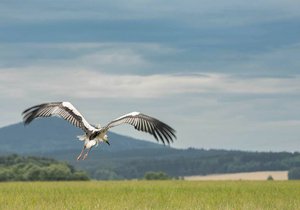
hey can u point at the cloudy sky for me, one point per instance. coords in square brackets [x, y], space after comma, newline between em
[224, 74]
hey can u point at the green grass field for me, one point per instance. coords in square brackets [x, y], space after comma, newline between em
[151, 195]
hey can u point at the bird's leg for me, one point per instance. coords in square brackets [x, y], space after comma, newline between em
[81, 153]
[86, 154]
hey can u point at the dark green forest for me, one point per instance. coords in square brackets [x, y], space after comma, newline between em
[17, 168]
[178, 163]
[110, 165]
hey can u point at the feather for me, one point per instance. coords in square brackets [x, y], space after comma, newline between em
[145, 123]
[61, 109]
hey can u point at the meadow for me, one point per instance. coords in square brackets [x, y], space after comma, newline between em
[151, 195]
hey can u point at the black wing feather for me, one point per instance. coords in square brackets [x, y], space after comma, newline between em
[141, 122]
[63, 109]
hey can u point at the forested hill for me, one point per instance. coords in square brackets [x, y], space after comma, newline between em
[135, 163]
[128, 158]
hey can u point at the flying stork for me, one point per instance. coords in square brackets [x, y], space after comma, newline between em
[96, 134]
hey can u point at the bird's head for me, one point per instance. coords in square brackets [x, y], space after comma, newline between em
[105, 139]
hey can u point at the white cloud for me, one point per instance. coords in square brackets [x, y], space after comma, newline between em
[282, 61]
[121, 58]
[91, 84]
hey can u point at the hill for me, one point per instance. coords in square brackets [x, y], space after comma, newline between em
[128, 158]
[54, 134]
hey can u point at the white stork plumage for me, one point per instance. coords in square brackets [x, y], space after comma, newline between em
[96, 134]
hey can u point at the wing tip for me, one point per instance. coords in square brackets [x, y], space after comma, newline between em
[29, 114]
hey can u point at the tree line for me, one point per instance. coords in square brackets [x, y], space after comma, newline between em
[17, 168]
[189, 162]
[134, 164]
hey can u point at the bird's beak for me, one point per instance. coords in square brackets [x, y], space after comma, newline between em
[106, 140]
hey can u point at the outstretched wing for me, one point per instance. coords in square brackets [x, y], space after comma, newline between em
[147, 124]
[61, 109]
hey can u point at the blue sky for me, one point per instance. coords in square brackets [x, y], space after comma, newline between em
[224, 74]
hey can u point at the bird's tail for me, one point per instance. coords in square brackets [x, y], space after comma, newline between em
[83, 137]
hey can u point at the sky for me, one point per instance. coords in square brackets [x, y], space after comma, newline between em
[223, 74]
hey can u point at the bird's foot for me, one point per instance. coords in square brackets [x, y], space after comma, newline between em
[85, 156]
[81, 153]
[79, 156]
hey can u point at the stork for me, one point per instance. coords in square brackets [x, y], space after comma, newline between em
[93, 135]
